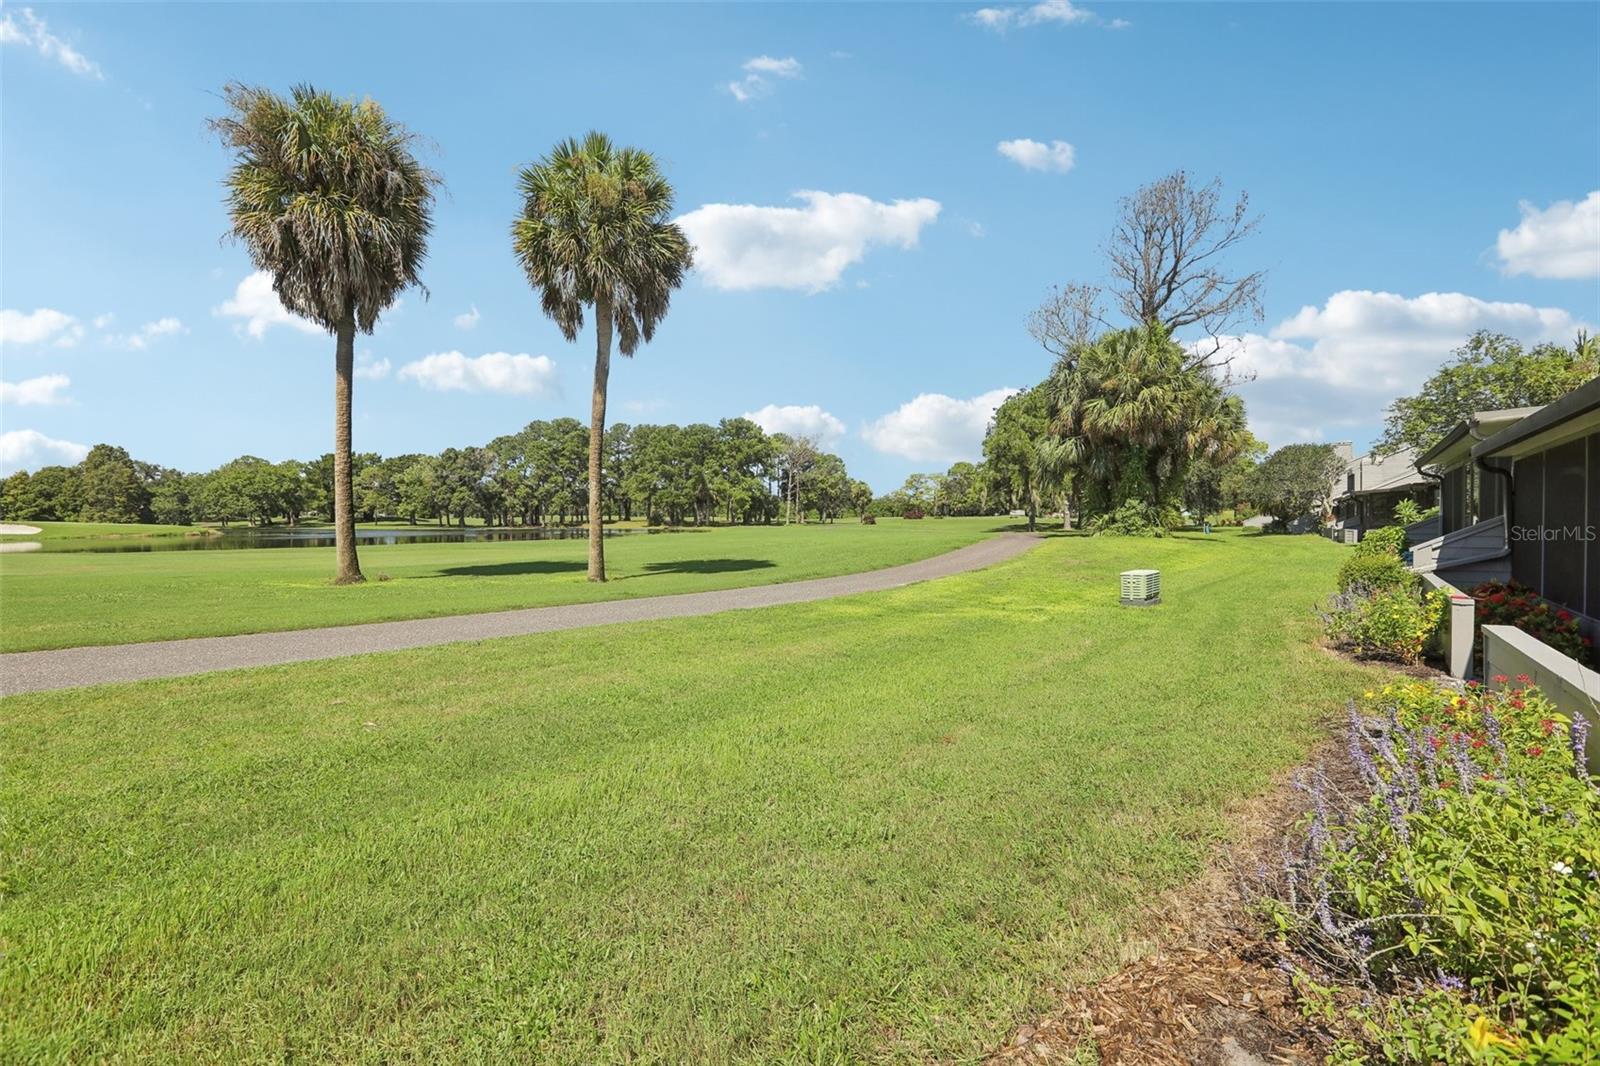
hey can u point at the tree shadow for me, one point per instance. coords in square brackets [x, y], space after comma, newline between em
[702, 566]
[542, 566]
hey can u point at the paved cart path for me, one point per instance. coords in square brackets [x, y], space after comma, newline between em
[38, 671]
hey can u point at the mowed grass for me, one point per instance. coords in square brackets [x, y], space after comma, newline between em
[59, 600]
[867, 829]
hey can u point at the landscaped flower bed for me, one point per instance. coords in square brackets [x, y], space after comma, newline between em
[1446, 905]
[1508, 603]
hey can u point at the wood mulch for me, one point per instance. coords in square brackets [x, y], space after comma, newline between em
[1208, 990]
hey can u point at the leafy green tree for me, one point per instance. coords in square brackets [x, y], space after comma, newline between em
[18, 499]
[1011, 450]
[417, 489]
[1489, 372]
[1296, 480]
[596, 231]
[327, 197]
[171, 496]
[1215, 482]
[860, 498]
[110, 487]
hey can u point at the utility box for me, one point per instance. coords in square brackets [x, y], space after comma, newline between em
[1141, 588]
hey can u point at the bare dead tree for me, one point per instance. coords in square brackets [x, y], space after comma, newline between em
[1166, 265]
[1067, 319]
[1165, 253]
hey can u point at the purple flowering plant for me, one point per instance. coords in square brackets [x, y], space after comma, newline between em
[1451, 874]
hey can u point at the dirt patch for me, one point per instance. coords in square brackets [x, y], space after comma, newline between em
[1208, 989]
[1426, 670]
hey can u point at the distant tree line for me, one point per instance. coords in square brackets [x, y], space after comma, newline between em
[731, 472]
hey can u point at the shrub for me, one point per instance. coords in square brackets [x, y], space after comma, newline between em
[1133, 518]
[1508, 603]
[1445, 906]
[1390, 623]
[911, 512]
[1409, 512]
[868, 520]
[1374, 572]
[1389, 540]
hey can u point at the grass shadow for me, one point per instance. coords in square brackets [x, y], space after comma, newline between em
[540, 566]
[702, 566]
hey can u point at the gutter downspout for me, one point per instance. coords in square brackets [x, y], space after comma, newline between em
[1506, 509]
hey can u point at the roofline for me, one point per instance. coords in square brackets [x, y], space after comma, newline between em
[1470, 424]
[1580, 401]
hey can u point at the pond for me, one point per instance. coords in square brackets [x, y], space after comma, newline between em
[322, 537]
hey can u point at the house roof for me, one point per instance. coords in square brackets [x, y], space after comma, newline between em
[1456, 445]
[1382, 473]
[1575, 414]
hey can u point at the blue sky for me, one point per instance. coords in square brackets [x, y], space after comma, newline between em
[1422, 171]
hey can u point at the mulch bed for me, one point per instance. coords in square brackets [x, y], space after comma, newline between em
[1209, 991]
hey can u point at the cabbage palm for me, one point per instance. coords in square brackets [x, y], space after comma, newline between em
[1132, 412]
[328, 199]
[596, 231]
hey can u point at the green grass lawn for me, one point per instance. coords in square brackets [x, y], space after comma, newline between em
[873, 828]
[55, 534]
[58, 600]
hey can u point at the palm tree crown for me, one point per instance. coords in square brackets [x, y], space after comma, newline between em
[328, 198]
[595, 229]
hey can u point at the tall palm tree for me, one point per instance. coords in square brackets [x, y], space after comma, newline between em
[1133, 411]
[327, 197]
[595, 230]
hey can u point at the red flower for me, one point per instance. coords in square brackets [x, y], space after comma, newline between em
[1436, 742]
[1500, 679]
[1478, 742]
[1535, 750]
[1548, 725]
[1564, 616]
[1525, 679]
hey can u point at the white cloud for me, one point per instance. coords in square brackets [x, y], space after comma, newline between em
[1058, 156]
[43, 390]
[758, 73]
[31, 32]
[797, 421]
[467, 319]
[1056, 12]
[1561, 241]
[255, 302]
[140, 339]
[936, 428]
[501, 372]
[28, 449]
[102, 321]
[787, 67]
[745, 246]
[370, 369]
[38, 326]
[1327, 370]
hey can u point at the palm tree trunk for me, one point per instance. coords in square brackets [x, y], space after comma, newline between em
[597, 433]
[344, 518]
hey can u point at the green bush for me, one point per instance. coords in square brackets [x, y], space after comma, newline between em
[1409, 512]
[1374, 572]
[1446, 909]
[1392, 623]
[1133, 518]
[1389, 540]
